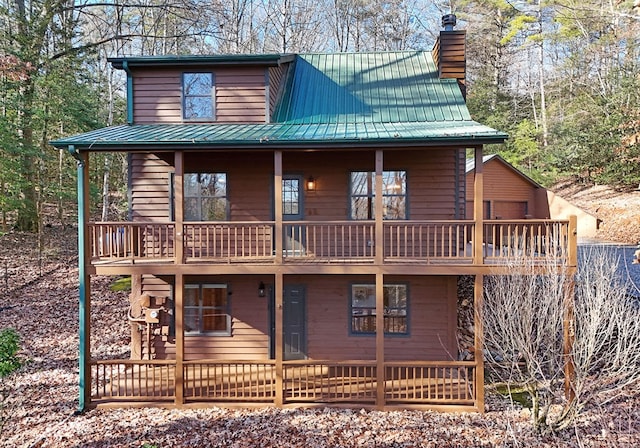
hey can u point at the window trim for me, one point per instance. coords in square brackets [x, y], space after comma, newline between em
[407, 308]
[212, 97]
[200, 308]
[371, 195]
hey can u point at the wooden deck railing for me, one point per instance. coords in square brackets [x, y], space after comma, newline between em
[113, 241]
[330, 381]
[125, 380]
[308, 381]
[229, 241]
[245, 381]
[337, 241]
[431, 382]
[428, 242]
[533, 239]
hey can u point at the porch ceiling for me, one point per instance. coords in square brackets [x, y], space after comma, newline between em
[322, 135]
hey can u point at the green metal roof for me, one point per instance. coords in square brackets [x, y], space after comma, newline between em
[367, 99]
[282, 134]
[386, 87]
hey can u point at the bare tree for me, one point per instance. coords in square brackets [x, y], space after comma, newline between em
[546, 328]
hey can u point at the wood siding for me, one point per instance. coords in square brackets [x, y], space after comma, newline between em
[240, 95]
[510, 195]
[432, 321]
[277, 80]
[149, 188]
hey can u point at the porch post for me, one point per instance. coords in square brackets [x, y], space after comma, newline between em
[279, 278]
[279, 292]
[569, 317]
[84, 290]
[380, 370]
[179, 310]
[478, 303]
[277, 201]
[478, 207]
[178, 206]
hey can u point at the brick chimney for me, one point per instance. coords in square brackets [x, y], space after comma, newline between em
[449, 52]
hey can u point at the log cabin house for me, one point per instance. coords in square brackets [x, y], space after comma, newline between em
[297, 230]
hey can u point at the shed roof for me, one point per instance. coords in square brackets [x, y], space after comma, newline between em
[382, 98]
[470, 167]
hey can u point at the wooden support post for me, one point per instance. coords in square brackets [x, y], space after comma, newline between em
[136, 334]
[179, 328]
[277, 201]
[478, 208]
[569, 338]
[279, 346]
[380, 370]
[378, 205]
[279, 278]
[478, 340]
[573, 241]
[379, 254]
[178, 197]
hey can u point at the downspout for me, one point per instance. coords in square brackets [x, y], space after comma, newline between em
[125, 67]
[82, 290]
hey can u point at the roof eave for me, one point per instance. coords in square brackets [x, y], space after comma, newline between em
[215, 60]
[462, 141]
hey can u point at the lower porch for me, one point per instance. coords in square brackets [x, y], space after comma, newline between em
[420, 383]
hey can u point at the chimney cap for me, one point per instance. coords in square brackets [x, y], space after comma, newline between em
[449, 21]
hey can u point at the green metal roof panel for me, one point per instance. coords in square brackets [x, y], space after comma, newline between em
[385, 87]
[256, 135]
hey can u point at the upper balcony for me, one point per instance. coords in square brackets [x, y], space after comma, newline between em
[413, 242]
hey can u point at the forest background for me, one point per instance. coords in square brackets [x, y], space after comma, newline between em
[562, 77]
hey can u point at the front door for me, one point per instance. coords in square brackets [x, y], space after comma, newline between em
[292, 210]
[294, 323]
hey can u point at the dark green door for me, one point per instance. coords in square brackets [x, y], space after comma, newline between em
[294, 322]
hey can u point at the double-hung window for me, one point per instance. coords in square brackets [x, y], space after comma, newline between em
[394, 195]
[207, 309]
[363, 309]
[205, 197]
[198, 96]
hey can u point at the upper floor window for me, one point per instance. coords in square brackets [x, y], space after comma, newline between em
[197, 94]
[205, 197]
[207, 309]
[394, 195]
[363, 309]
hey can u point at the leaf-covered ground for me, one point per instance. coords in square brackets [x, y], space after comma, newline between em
[43, 400]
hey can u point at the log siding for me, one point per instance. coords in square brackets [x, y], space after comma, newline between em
[240, 95]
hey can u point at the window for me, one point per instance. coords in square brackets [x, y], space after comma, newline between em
[394, 195]
[207, 310]
[197, 94]
[363, 309]
[291, 196]
[205, 196]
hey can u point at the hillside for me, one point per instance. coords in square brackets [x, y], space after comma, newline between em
[618, 210]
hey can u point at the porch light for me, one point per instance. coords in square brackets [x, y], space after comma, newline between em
[261, 289]
[311, 184]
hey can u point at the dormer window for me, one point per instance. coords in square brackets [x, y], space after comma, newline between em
[198, 96]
